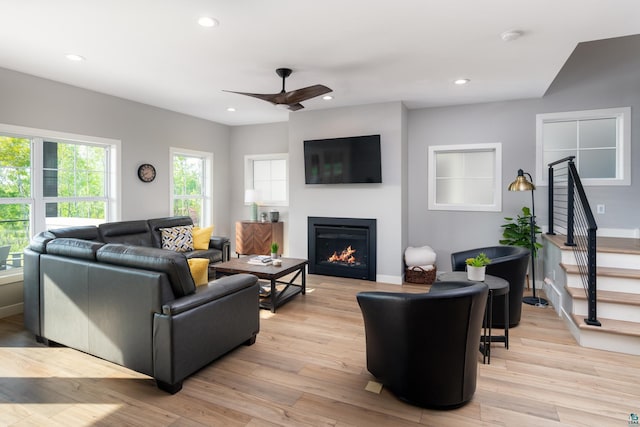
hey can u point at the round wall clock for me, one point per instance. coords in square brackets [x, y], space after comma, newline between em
[146, 172]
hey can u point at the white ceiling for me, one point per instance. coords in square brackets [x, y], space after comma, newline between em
[367, 51]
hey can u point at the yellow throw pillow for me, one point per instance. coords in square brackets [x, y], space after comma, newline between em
[201, 237]
[199, 270]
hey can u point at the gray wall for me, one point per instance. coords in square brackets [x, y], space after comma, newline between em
[146, 134]
[249, 140]
[600, 74]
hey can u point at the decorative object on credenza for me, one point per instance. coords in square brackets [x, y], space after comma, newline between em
[263, 217]
[274, 215]
[522, 184]
[292, 99]
[421, 265]
[146, 172]
[274, 250]
[477, 267]
[251, 197]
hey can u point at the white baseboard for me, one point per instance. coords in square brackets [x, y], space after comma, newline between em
[386, 278]
[11, 310]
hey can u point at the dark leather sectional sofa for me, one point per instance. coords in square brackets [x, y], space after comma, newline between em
[112, 292]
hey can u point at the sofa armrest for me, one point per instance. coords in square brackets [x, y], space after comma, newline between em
[223, 244]
[211, 292]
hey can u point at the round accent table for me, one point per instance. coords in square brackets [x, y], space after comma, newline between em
[497, 287]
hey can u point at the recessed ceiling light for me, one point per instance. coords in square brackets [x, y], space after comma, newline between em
[327, 97]
[207, 21]
[510, 35]
[74, 57]
[461, 81]
[231, 109]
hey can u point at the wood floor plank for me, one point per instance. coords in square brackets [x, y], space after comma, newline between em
[308, 368]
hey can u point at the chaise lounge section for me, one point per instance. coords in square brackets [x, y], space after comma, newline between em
[134, 304]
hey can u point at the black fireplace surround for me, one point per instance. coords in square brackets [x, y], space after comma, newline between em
[343, 247]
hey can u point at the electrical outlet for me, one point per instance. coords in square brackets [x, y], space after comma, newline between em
[600, 209]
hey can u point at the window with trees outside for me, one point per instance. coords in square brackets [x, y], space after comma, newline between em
[191, 181]
[51, 180]
[267, 174]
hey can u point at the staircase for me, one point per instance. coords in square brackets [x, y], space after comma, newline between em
[618, 294]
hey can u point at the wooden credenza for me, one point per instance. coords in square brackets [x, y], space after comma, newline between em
[255, 238]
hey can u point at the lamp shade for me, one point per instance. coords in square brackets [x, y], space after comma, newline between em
[250, 196]
[521, 183]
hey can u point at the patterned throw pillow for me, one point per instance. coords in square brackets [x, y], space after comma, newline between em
[179, 239]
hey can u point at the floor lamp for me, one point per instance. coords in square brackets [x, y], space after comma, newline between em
[521, 184]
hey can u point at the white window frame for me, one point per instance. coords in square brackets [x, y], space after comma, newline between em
[623, 143]
[248, 176]
[207, 184]
[37, 200]
[494, 206]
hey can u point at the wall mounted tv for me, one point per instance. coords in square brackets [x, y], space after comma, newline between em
[348, 160]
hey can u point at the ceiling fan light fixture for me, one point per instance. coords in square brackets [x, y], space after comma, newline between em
[327, 97]
[231, 109]
[461, 82]
[208, 22]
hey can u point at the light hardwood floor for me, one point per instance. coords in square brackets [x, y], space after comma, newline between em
[308, 368]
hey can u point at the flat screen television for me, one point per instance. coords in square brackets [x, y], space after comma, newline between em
[350, 160]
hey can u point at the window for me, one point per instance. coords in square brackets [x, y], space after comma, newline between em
[191, 181]
[465, 177]
[267, 174]
[50, 180]
[599, 140]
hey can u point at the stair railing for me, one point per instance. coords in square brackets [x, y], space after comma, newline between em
[569, 209]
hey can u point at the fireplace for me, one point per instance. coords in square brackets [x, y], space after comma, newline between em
[343, 247]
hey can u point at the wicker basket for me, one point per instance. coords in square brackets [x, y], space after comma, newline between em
[420, 276]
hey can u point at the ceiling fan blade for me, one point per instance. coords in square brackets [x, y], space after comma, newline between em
[299, 95]
[270, 97]
[295, 107]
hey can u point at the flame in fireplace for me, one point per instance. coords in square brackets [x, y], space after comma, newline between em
[345, 256]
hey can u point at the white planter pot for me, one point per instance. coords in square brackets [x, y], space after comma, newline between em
[476, 273]
[274, 255]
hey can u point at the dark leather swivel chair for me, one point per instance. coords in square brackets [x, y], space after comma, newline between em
[424, 347]
[509, 263]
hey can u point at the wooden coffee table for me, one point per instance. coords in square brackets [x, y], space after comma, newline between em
[271, 273]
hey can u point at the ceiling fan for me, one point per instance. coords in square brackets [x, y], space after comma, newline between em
[291, 99]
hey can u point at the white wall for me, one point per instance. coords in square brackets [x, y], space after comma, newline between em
[384, 202]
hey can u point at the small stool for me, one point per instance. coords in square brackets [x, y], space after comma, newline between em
[497, 287]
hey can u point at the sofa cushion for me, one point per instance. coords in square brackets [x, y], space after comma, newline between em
[157, 223]
[201, 237]
[179, 239]
[85, 232]
[199, 270]
[174, 264]
[74, 248]
[127, 232]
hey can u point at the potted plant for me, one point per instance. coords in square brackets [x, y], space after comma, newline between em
[477, 266]
[274, 250]
[517, 232]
